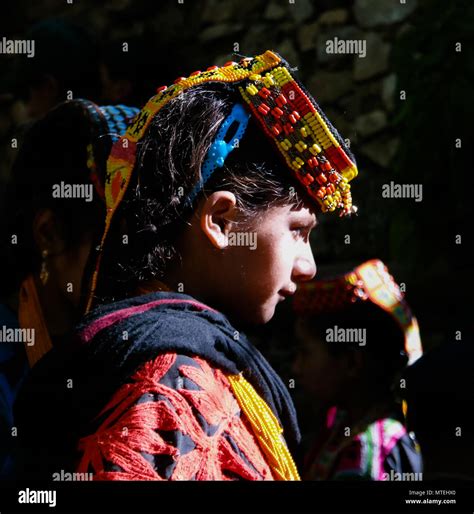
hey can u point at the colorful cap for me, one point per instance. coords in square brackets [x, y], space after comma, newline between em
[309, 145]
[370, 281]
[109, 121]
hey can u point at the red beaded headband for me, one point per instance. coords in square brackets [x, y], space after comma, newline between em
[370, 281]
[311, 147]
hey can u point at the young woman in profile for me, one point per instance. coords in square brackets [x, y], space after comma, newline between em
[163, 385]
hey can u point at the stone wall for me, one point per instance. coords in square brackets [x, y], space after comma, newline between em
[170, 38]
[360, 93]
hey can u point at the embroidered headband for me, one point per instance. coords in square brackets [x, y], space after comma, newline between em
[310, 146]
[107, 120]
[370, 281]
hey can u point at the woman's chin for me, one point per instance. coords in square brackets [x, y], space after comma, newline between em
[265, 314]
[255, 313]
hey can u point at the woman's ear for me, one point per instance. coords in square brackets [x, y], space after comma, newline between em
[47, 232]
[217, 217]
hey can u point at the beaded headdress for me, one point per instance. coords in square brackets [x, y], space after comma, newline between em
[310, 146]
[109, 122]
[370, 281]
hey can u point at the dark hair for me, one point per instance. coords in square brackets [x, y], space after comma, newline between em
[384, 344]
[169, 159]
[54, 149]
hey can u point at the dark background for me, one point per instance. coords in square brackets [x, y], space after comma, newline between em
[411, 48]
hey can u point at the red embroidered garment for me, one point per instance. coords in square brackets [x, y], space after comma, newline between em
[177, 419]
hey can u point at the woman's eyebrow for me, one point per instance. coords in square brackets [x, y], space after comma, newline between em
[307, 221]
[310, 221]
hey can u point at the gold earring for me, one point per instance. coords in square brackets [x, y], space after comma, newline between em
[44, 273]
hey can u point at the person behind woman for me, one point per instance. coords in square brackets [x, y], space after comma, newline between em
[47, 235]
[207, 231]
[356, 335]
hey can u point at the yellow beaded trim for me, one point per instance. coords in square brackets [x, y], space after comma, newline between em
[289, 121]
[266, 428]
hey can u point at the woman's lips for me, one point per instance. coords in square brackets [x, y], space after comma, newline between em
[284, 294]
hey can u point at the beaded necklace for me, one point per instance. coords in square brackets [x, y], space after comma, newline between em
[266, 428]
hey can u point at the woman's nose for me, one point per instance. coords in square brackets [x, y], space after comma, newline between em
[305, 267]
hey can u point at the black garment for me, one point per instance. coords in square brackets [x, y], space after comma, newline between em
[405, 459]
[72, 383]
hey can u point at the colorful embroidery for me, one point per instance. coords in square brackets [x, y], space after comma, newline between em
[360, 456]
[198, 427]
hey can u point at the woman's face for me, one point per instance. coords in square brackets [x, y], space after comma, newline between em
[319, 373]
[259, 267]
[259, 277]
[60, 294]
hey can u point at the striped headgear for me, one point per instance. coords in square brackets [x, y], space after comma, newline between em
[370, 281]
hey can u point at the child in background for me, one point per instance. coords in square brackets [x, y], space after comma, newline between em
[356, 336]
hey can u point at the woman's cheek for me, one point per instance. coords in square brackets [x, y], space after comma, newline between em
[289, 249]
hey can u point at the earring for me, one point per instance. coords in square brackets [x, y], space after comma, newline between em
[44, 273]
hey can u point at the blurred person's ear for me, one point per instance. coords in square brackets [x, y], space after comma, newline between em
[47, 232]
[42, 97]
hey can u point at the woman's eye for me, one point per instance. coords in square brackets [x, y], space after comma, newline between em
[300, 232]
